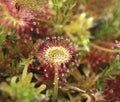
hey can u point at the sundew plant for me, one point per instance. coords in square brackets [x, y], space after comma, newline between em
[59, 50]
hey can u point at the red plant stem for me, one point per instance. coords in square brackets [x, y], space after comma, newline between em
[107, 44]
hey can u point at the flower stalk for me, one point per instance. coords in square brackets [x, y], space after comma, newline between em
[56, 78]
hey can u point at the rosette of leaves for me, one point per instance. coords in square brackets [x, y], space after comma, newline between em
[21, 89]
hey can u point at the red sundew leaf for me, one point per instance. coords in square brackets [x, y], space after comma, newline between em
[112, 89]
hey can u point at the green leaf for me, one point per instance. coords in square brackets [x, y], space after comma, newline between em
[113, 69]
[2, 39]
[23, 89]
